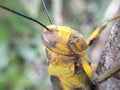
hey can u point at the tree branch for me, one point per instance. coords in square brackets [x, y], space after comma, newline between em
[109, 58]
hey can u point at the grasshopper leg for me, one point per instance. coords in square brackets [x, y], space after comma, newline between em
[94, 78]
[96, 33]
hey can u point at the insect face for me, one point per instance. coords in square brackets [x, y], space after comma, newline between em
[63, 40]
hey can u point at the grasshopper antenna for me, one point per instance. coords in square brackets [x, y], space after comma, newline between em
[46, 11]
[19, 14]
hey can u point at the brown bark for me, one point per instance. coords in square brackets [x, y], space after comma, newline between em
[109, 58]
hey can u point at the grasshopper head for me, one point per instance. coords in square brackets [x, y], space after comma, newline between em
[63, 40]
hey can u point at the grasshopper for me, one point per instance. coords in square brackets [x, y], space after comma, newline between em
[67, 59]
[66, 55]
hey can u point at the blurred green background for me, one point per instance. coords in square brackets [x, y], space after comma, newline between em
[22, 57]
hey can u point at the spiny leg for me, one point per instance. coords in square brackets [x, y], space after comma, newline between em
[96, 33]
[107, 74]
[94, 78]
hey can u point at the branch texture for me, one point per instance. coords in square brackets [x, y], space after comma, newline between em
[109, 58]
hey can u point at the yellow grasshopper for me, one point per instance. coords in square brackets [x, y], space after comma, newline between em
[67, 59]
[66, 55]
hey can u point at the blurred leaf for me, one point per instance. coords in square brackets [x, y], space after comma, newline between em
[4, 58]
[4, 32]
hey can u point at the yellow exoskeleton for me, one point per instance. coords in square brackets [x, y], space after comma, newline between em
[67, 61]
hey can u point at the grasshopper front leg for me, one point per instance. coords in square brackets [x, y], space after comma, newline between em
[96, 33]
[94, 77]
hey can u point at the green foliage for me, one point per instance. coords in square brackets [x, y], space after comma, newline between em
[21, 50]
